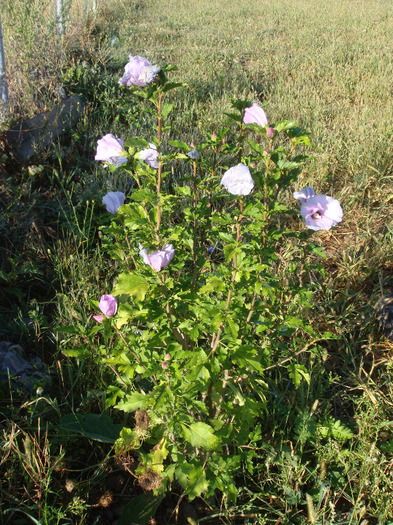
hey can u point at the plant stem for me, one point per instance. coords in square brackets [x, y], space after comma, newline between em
[195, 228]
[159, 165]
[216, 337]
[265, 203]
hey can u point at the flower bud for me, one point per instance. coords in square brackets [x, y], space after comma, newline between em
[270, 132]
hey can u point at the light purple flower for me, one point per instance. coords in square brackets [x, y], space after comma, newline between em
[320, 212]
[109, 146]
[158, 259]
[255, 115]
[108, 306]
[149, 74]
[113, 200]
[164, 364]
[139, 72]
[238, 180]
[150, 155]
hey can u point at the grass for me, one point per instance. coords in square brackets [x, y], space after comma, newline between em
[327, 65]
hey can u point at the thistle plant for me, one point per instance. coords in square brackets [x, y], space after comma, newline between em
[213, 280]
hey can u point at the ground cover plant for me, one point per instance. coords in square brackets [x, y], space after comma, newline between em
[309, 405]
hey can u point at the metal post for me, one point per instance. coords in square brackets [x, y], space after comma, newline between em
[3, 80]
[60, 17]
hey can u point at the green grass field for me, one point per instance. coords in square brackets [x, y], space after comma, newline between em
[329, 66]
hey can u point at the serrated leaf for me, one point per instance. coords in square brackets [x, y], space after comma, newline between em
[213, 284]
[298, 373]
[197, 483]
[234, 116]
[285, 125]
[233, 327]
[133, 402]
[183, 190]
[80, 353]
[171, 85]
[201, 435]
[128, 440]
[192, 478]
[166, 109]
[142, 195]
[136, 142]
[335, 429]
[131, 284]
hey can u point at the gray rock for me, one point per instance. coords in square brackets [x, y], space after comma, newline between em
[32, 135]
[22, 372]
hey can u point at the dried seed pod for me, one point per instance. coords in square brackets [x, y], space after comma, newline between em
[149, 480]
[142, 419]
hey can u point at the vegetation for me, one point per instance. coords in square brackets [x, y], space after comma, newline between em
[323, 448]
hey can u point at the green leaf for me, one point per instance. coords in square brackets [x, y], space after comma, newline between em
[233, 327]
[298, 373]
[160, 452]
[136, 142]
[131, 284]
[171, 85]
[124, 313]
[181, 145]
[192, 478]
[133, 402]
[213, 284]
[128, 440]
[166, 109]
[335, 429]
[200, 435]
[93, 426]
[142, 195]
[234, 116]
[183, 190]
[285, 125]
[197, 483]
[140, 510]
[227, 237]
[81, 352]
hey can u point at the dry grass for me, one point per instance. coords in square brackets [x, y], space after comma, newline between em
[36, 56]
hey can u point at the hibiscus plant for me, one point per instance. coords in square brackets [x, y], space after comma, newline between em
[212, 289]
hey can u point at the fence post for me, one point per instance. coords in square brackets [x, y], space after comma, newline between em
[93, 7]
[60, 17]
[3, 80]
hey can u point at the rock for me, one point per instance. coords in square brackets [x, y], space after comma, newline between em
[32, 135]
[23, 372]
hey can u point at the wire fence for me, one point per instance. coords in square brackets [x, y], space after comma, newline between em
[48, 18]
